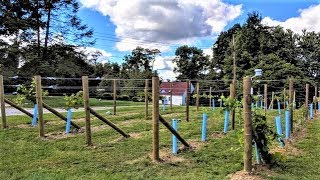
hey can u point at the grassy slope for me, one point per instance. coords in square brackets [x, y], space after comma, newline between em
[304, 165]
[25, 156]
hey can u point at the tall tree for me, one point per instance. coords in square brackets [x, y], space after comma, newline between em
[191, 62]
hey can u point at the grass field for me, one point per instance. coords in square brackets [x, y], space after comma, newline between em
[26, 156]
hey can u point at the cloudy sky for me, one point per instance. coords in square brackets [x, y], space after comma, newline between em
[121, 25]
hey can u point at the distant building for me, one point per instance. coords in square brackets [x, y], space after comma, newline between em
[179, 92]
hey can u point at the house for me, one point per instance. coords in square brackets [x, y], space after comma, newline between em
[178, 90]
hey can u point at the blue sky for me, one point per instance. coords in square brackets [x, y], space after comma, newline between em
[120, 25]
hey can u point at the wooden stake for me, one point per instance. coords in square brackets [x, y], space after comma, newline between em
[307, 101]
[18, 107]
[291, 102]
[40, 107]
[210, 98]
[198, 96]
[2, 104]
[114, 97]
[155, 118]
[187, 100]
[232, 112]
[146, 97]
[265, 98]
[247, 125]
[315, 98]
[284, 98]
[173, 131]
[272, 101]
[171, 85]
[61, 116]
[109, 123]
[85, 88]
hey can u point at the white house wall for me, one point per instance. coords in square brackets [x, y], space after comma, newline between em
[176, 100]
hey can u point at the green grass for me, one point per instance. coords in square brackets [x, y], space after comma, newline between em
[26, 156]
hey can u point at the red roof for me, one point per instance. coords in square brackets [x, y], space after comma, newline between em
[178, 88]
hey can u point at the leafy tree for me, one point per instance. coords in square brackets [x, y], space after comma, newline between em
[191, 62]
[142, 59]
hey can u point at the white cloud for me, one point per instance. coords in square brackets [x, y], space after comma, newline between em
[308, 19]
[89, 51]
[153, 22]
[165, 66]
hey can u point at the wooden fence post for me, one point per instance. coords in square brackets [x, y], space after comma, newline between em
[146, 97]
[114, 97]
[291, 102]
[198, 96]
[210, 99]
[85, 87]
[272, 100]
[2, 104]
[307, 101]
[265, 98]
[315, 98]
[171, 85]
[232, 96]
[155, 118]
[40, 105]
[247, 124]
[187, 100]
[284, 98]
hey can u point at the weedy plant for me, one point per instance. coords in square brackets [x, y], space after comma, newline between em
[28, 93]
[74, 100]
[262, 135]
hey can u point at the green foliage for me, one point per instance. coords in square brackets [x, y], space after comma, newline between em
[191, 62]
[262, 135]
[74, 100]
[230, 104]
[28, 93]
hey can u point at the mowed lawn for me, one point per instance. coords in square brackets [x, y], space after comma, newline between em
[59, 156]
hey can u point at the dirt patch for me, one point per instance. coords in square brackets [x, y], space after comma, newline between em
[241, 175]
[217, 135]
[287, 149]
[195, 145]
[132, 135]
[24, 126]
[257, 170]
[61, 135]
[166, 156]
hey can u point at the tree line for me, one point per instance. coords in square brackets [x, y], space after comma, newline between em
[43, 37]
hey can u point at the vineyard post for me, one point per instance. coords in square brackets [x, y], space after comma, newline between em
[114, 97]
[187, 100]
[284, 98]
[247, 124]
[210, 98]
[155, 118]
[265, 98]
[3, 108]
[146, 97]
[232, 96]
[198, 96]
[307, 101]
[171, 85]
[291, 102]
[272, 100]
[85, 87]
[40, 105]
[315, 98]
